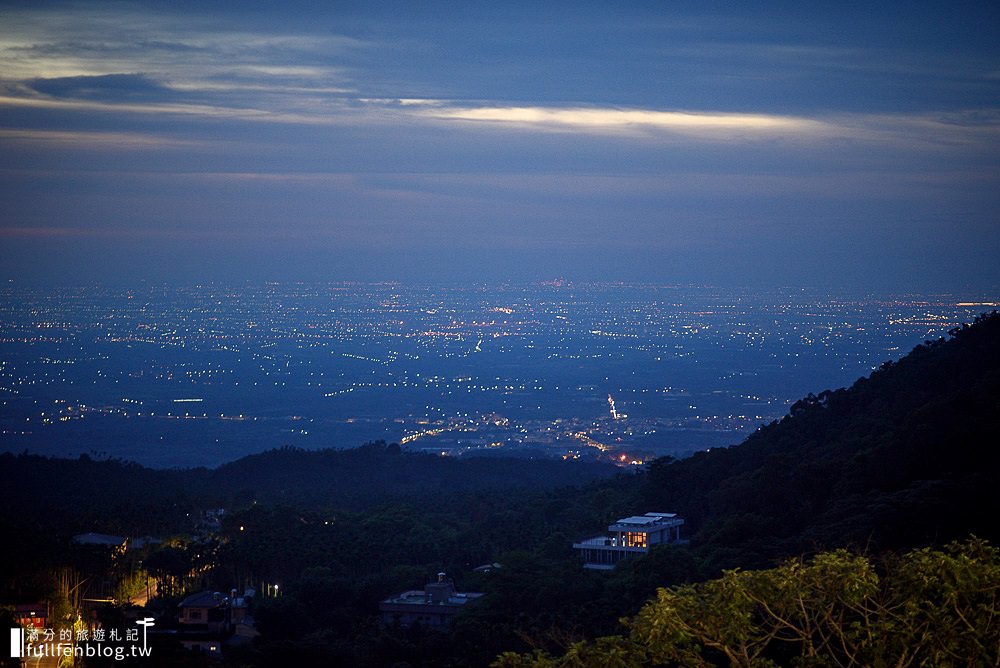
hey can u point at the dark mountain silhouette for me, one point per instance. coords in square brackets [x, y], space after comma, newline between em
[124, 497]
[377, 472]
[905, 457]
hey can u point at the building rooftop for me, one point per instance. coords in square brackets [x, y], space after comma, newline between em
[440, 593]
[204, 599]
[99, 539]
[421, 597]
[646, 521]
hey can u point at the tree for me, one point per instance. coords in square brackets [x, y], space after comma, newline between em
[169, 565]
[931, 607]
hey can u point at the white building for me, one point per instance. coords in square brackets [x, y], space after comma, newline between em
[630, 537]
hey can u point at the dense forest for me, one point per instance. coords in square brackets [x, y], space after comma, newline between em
[857, 478]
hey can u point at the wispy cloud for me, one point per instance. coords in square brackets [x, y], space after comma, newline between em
[137, 94]
[183, 55]
[91, 139]
[110, 87]
[115, 59]
[606, 120]
[971, 128]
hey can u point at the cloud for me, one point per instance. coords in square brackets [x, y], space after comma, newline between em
[119, 54]
[605, 120]
[107, 88]
[258, 66]
[95, 140]
[969, 130]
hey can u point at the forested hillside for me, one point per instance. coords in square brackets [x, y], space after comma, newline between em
[906, 457]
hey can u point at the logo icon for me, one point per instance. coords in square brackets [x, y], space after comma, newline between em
[145, 622]
[16, 643]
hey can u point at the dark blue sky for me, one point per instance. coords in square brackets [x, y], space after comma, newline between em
[784, 143]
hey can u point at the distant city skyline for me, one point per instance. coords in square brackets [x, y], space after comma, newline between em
[709, 143]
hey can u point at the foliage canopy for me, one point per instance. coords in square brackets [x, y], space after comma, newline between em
[929, 607]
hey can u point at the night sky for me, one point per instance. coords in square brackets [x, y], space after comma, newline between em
[851, 145]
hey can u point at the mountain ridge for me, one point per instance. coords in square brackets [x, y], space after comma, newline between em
[899, 459]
